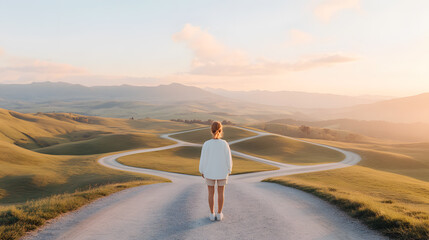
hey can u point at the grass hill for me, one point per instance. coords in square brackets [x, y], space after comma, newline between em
[411, 132]
[35, 131]
[106, 143]
[409, 159]
[411, 109]
[310, 131]
[27, 173]
[286, 150]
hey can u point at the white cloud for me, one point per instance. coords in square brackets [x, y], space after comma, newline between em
[17, 69]
[207, 50]
[214, 59]
[328, 8]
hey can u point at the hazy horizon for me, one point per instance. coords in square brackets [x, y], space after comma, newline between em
[213, 88]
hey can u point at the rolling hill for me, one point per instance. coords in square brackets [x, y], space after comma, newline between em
[160, 102]
[53, 153]
[39, 130]
[413, 109]
[411, 132]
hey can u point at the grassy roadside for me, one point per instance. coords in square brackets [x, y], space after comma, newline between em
[409, 159]
[17, 219]
[396, 205]
[186, 160]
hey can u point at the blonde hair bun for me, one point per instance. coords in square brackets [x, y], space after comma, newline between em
[216, 129]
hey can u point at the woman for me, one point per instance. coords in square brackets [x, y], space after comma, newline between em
[215, 166]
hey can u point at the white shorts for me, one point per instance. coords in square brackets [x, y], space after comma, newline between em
[220, 182]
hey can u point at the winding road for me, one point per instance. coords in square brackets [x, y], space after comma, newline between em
[179, 210]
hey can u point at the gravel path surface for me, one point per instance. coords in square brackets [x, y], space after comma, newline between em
[179, 210]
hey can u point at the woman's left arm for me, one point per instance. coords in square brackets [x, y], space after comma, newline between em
[203, 158]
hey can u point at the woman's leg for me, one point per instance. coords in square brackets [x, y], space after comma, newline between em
[211, 198]
[220, 198]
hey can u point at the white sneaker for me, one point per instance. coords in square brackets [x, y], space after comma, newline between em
[212, 216]
[219, 216]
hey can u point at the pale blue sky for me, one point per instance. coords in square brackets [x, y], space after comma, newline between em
[380, 47]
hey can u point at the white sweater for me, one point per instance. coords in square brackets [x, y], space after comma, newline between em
[215, 160]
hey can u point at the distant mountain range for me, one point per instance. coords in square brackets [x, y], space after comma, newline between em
[48, 91]
[162, 102]
[298, 99]
[187, 102]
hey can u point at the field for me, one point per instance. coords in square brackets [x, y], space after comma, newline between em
[186, 160]
[199, 136]
[396, 205]
[286, 150]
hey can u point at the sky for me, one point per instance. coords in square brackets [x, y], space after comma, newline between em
[350, 47]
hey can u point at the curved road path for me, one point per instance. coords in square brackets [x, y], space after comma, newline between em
[179, 210]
